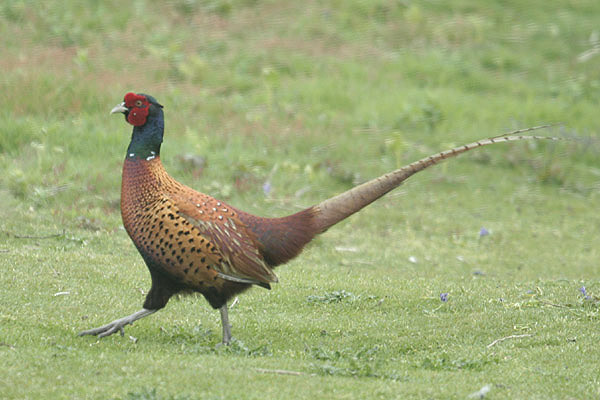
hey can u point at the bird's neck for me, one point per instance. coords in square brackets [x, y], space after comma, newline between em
[146, 140]
[142, 177]
[143, 183]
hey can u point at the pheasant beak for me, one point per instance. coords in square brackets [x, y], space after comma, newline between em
[119, 108]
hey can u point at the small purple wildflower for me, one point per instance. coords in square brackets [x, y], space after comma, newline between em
[266, 187]
[584, 293]
[444, 297]
[483, 232]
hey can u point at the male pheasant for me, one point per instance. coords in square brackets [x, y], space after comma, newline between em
[192, 242]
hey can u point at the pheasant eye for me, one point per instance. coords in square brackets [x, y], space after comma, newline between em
[138, 103]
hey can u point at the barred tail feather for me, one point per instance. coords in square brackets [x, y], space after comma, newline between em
[335, 209]
[282, 239]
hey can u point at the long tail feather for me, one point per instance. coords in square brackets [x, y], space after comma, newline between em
[337, 208]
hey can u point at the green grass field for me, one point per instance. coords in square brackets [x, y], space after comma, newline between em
[309, 98]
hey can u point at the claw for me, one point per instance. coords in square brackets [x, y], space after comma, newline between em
[117, 325]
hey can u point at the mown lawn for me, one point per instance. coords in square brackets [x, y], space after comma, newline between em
[274, 106]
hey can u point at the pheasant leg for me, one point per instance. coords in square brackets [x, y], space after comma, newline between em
[118, 324]
[226, 326]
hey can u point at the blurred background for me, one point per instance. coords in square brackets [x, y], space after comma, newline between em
[290, 100]
[274, 106]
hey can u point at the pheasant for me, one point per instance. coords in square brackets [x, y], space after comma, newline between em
[192, 242]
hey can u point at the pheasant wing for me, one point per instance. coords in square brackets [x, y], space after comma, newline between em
[241, 258]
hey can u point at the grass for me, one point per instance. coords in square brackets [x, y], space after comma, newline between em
[312, 98]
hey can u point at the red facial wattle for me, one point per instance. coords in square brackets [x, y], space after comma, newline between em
[138, 107]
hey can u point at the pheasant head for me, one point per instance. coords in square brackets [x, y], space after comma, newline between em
[146, 115]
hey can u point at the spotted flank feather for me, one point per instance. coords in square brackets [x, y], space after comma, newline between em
[239, 250]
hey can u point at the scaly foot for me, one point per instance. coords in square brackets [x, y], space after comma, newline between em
[117, 325]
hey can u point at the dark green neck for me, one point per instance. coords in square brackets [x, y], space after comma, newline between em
[146, 139]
